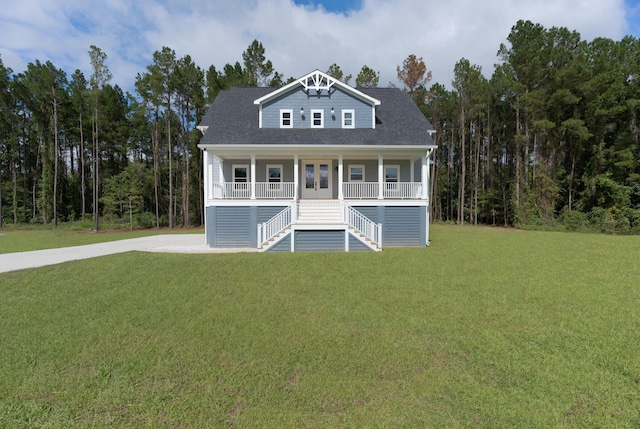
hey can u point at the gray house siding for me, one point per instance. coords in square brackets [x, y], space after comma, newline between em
[283, 245]
[265, 213]
[370, 212]
[231, 227]
[403, 227]
[298, 98]
[356, 245]
[319, 241]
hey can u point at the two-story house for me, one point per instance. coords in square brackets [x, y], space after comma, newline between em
[316, 165]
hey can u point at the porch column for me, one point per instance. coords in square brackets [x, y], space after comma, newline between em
[424, 175]
[340, 195]
[380, 177]
[208, 177]
[253, 176]
[215, 177]
[296, 176]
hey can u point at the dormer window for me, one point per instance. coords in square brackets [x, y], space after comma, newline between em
[348, 118]
[286, 118]
[317, 118]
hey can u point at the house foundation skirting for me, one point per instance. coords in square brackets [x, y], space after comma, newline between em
[236, 226]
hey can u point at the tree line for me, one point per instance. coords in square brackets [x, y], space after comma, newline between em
[73, 148]
[551, 138]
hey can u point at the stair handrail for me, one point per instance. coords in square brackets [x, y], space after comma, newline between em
[363, 224]
[271, 228]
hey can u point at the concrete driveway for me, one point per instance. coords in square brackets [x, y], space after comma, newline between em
[172, 243]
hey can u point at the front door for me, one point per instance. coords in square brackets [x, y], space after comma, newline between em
[317, 179]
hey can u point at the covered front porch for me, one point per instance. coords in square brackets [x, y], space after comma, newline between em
[316, 176]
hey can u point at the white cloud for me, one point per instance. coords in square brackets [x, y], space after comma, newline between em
[297, 39]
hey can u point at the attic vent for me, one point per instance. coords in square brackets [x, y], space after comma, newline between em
[318, 81]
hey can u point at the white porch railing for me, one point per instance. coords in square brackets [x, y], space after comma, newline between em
[371, 190]
[403, 190]
[230, 190]
[284, 190]
[275, 190]
[366, 190]
[273, 226]
[356, 220]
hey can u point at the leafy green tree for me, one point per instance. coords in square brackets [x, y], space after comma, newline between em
[367, 78]
[79, 93]
[336, 72]
[151, 102]
[258, 68]
[6, 113]
[162, 84]
[189, 84]
[99, 78]
[125, 192]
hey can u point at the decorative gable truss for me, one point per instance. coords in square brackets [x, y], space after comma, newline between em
[317, 84]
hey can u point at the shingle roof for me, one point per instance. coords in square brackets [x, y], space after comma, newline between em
[233, 119]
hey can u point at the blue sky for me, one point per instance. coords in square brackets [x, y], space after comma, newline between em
[298, 35]
[336, 6]
[633, 17]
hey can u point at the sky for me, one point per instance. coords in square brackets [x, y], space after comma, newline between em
[299, 36]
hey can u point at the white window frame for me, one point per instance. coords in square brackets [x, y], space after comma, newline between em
[274, 185]
[353, 118]
[233, 169]
[282, 118]
[393, 184]
[351, 167]
[313, 119]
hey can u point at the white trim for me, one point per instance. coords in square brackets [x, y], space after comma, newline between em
[340, 176]
[317, 192]
[356, 166]
[253, 177]
[353, 118]
[282, 119]
[290, 147]
[313, 118]
[282, 203]
[260, 117]
[373, 117]
[397, 167]
[309, 81]
[296, 177]
[268, 177]
[380, 177]
[233, 172]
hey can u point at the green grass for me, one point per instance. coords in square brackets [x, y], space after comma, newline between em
[486, 328]
[21, 240]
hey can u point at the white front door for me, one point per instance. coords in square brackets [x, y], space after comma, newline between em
[317, 179]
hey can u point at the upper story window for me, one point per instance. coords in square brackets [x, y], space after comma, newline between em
[286, 118]
[240, 173]
[317, 118]
[348, 118]
[356, 173]
[274, 173]
[391, 173]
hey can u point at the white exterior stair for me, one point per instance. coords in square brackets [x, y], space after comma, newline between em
[320, 212]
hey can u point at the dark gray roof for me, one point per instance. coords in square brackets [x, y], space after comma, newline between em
[233, 119]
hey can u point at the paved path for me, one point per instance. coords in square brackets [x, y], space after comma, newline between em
[172, 243]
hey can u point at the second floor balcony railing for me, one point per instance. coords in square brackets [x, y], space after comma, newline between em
[286, 190]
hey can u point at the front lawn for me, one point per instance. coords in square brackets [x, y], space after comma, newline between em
[486, 328]
[21, 240]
